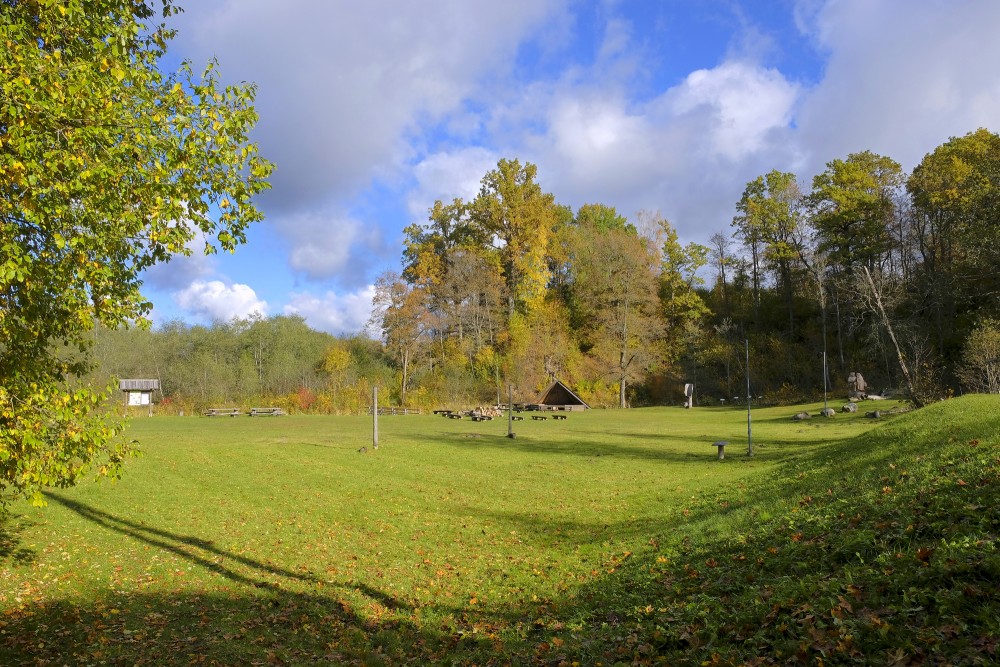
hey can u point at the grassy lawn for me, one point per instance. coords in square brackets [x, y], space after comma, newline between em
[611, 537]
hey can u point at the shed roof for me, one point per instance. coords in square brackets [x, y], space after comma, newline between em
[560, 394]
[138, 385]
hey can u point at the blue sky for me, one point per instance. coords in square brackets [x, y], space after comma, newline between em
[373, 110]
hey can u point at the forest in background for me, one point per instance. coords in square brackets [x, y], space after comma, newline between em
[890, 274]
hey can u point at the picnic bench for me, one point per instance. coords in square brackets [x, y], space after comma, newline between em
[266, 412]
[559, 416]
[539, 417]
[454, 415]
[222, 412]
[517, 418]
[481, 418]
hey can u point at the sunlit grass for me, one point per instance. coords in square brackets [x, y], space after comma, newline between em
[241, 540]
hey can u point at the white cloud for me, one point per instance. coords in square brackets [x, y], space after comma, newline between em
[345, 92]
[334, 313]
[687, 152]
[901, 77]
[356, 93]
[341, 83]
[215, 300]
[448, 175]
[742, 103]
[331, 244]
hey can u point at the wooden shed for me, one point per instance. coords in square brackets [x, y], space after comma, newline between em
[139, 393]
[560, 397]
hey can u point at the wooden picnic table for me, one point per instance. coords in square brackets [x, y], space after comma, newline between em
[222, 412]
[266, 412]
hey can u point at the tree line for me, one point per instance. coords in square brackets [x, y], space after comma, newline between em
[880, 272]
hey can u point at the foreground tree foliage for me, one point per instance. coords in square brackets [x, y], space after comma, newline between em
[107, 166]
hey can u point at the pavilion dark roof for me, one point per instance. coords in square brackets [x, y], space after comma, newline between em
[559, 394]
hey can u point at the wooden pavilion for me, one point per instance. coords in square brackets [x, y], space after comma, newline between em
[560, 397]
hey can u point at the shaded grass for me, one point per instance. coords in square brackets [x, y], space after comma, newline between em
[609, 537]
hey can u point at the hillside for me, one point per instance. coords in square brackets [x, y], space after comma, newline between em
[879, 550]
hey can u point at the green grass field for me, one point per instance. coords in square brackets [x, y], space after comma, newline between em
[614, 537]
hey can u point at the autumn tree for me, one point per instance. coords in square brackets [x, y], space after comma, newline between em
[517, 217]
[851, 208]
[679, 279]
[614, 290]
[107, 167]
[400, 314]
[428, 249]
[769, 217]
[980, 367]
[956, 194]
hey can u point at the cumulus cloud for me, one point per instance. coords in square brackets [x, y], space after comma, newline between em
[340, 86]
[448, 175]
[334, 313]
[331, 245]
[360, 98]
[687, 152]
[215, 300]
[345, 91]
[900, 77]
[741, 103]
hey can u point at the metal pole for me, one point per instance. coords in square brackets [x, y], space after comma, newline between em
[824, 380]
[375, 417]
[510, 411]
[749, 419]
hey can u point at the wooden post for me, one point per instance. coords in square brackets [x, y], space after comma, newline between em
[375, 417]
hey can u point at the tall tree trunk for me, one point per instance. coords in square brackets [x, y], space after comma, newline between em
[840, 332]
[880, 308]
[621, 383]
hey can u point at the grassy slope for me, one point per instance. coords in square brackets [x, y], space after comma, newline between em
[609, 537]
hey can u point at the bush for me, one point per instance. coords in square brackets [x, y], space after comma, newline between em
[980, 368]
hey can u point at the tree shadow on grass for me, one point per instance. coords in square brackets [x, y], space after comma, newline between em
[179, 546]
[12, 551]
[265, 614]
[586, 449]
